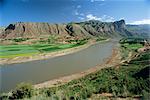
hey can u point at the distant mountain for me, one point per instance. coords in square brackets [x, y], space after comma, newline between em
[90, 28]
[140, 30]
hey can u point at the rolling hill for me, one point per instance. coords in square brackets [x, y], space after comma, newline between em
[140, 30]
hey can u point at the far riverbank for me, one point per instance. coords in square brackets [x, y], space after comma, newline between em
[113, 60]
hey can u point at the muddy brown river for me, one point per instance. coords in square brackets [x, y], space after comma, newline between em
[44, 70]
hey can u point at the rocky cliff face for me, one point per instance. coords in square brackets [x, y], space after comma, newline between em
[1, 29]
[84, 29]
[33, 30]
[111, 29]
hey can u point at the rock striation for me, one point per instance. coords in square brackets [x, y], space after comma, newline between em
[89, 28]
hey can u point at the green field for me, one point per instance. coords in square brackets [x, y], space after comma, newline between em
[129, 79]
[10, 51]
[130, 45]
[133, 46]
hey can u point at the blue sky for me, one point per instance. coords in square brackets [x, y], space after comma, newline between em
[62, 11]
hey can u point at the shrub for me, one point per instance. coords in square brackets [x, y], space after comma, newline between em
[145, 95]
[23, 90]
[20, 39]
[52, 39]
[4, 96]
[49, 91]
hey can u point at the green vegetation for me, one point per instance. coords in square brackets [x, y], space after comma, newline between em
[9, 51]
[16, 50]
[100, 38]
[133, 46]
[133, 40]
[20, 39]
[125, 81]
[52, 39]
[130, 79]
[130, 45]
[23, 90]
[79, 41]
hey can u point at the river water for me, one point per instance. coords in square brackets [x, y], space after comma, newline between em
[44, 70]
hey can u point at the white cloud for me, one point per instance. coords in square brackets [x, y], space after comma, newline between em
[81, 18]
[104, 18]
[144, 21]
[92, 17]
[76, 12]
[96, 0]
[107, 18]
[122, 18]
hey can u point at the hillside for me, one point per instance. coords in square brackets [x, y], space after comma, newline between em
[2, 29]
[142, 30]
[124, 79]
[83, 29]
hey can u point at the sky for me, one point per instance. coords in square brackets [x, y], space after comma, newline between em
[64, 11]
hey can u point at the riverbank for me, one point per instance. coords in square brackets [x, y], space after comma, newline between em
[44, 56]
[113, 60]
[110, 79]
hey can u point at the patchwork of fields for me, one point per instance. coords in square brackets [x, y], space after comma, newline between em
[9, 51]
[126, 80]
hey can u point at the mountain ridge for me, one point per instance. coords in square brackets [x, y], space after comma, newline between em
[91, 28]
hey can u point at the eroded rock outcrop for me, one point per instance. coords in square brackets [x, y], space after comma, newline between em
[84, 29]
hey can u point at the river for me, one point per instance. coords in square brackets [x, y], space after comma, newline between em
[44, 70]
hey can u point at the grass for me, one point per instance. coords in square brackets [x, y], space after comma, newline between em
[56, 47]
[130, 45]
[133, 46]
[11, 51]
[128, 80]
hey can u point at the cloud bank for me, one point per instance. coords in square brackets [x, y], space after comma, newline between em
[92, 17]
[144, 21]
[104, 18]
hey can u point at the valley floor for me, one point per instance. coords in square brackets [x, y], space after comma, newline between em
[113, 60]
[46, 55]
[125, 75]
